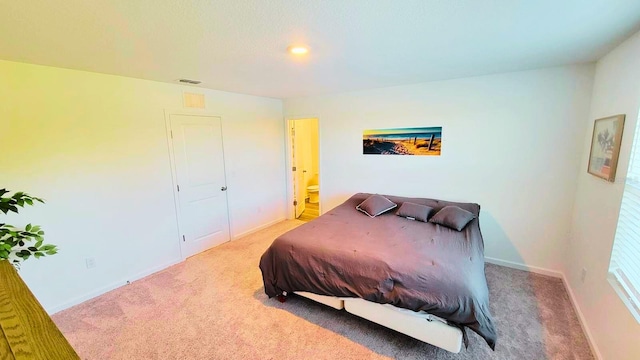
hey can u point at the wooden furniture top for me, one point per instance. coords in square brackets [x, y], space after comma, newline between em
[26, 330]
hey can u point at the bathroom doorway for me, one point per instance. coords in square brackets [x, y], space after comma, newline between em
[305, 167]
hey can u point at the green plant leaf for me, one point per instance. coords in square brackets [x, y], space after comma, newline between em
[13, 241]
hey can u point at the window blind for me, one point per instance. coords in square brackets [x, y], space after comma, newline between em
[624, 268]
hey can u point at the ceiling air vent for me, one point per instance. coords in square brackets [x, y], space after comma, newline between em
[187, 81]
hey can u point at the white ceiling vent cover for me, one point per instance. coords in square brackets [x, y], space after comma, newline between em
[194, 101]
[190, 82]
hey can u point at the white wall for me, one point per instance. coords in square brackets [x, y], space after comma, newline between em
[95, 147]
[307, 134]
[511, 142]
[315, 151]
[616, 90]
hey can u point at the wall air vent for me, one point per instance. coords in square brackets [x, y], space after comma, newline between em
[187, 81]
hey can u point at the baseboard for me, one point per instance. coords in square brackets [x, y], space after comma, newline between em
[105, 289]
[92, 294]
[257, 228]
[581, 318]
[520, 266]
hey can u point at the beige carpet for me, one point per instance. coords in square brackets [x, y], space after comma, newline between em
[212, 306]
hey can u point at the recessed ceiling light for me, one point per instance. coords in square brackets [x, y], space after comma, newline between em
[298, 49]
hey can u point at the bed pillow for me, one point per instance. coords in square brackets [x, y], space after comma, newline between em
[375, 205]
[414, 211]
[452, 217]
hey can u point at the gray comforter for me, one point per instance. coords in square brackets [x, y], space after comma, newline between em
[389, 260]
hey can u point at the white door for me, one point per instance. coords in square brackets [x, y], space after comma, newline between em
[299, 188]
[203, 217]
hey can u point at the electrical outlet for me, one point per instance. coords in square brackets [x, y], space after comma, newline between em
[583, 275]
[91, 262]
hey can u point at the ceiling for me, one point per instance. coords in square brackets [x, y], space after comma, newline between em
[240, 45]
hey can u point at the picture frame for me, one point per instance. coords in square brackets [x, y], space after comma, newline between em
[605, 147]
[403, 141]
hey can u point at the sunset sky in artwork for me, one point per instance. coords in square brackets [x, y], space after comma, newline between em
[398, 131]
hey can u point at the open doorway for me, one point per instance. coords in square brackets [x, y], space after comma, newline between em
[305, 167]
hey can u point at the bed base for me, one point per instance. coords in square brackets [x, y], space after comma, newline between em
[419, 325]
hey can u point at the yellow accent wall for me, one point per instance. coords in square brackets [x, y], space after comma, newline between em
[95, 147]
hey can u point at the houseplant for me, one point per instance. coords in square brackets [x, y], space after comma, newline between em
[19, 244]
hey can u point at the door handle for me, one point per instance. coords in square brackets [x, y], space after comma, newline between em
[224, 188]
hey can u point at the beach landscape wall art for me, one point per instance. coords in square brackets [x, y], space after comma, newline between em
[403, 141]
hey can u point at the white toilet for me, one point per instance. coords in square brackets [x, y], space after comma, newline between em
[314, 193]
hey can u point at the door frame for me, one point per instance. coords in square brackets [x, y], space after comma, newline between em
[174, 175]
[288, 121]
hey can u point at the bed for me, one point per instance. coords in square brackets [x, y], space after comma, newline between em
[419, 278]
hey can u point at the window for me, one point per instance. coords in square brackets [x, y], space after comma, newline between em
[624, 269]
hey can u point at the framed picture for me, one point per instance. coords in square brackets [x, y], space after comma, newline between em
[403, 141]
[605, 147]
